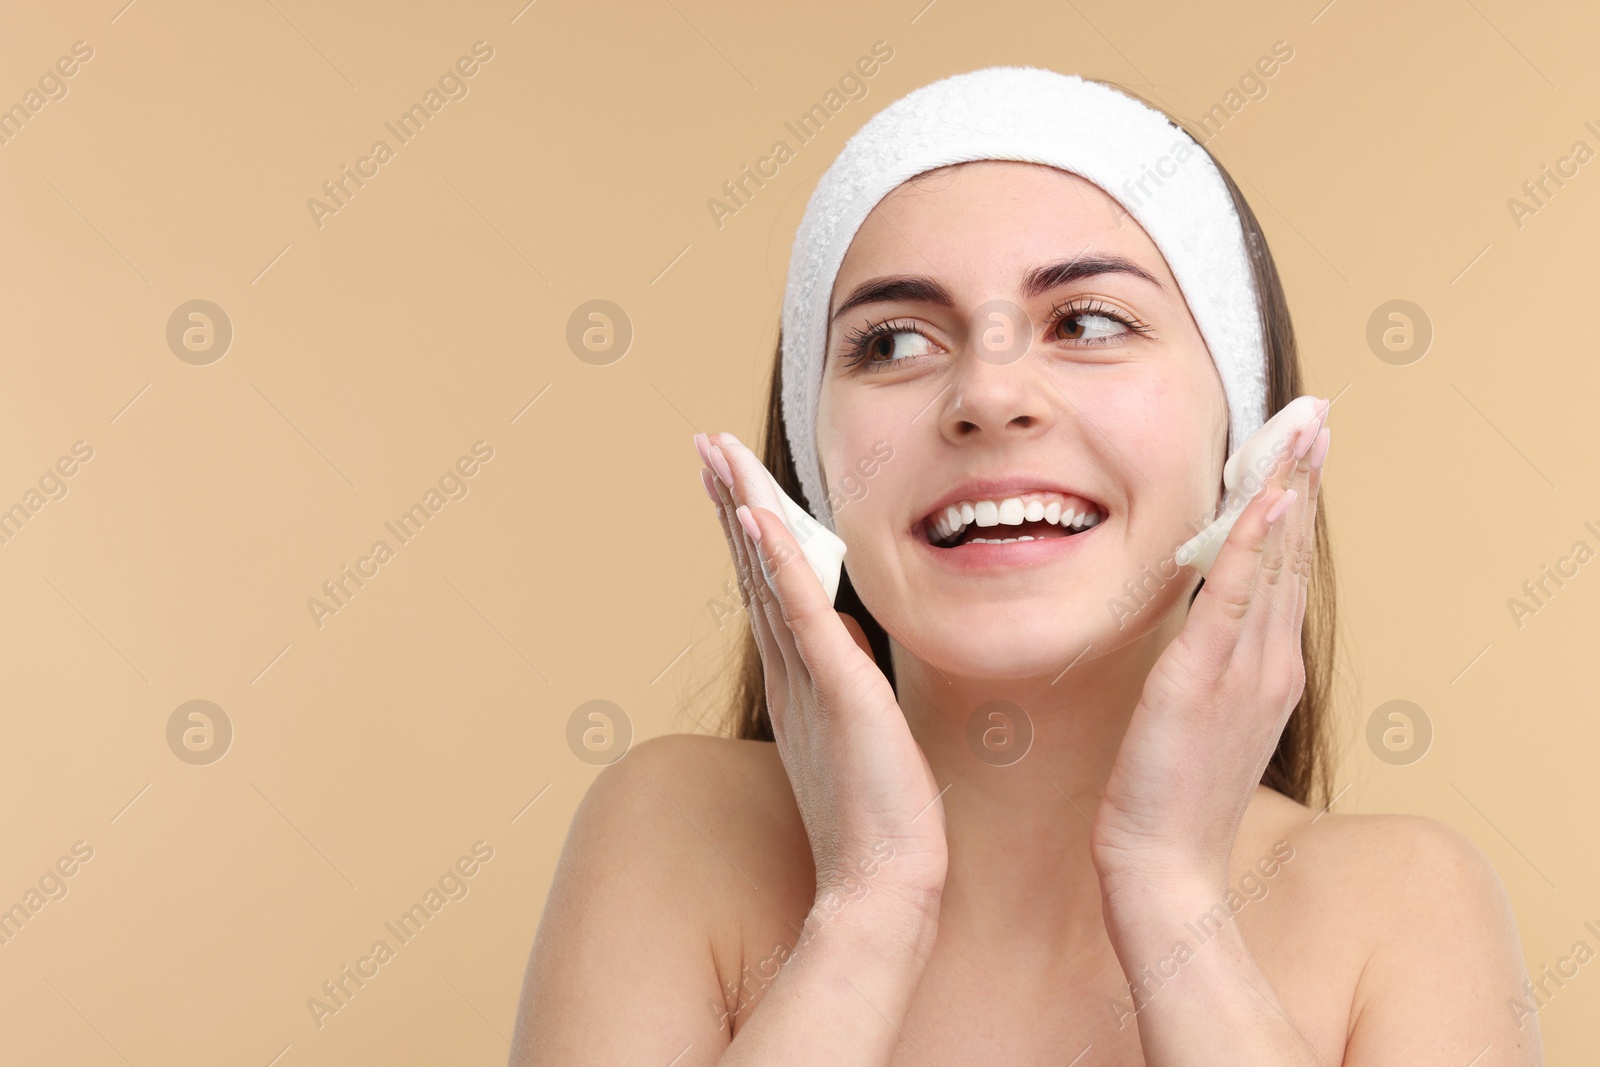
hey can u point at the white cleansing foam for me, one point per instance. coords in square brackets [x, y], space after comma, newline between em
[821, 546]
[1246, 471]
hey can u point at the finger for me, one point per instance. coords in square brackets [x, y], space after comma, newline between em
[742, 472]
[1271, 643]
[1299, 525]
[735, 553]
[1275, 586]
[736, 548]
[1308, 433]
[709, 480]
[1276, 605]
[1291, 456]
[1224, 601]
[753, 485]
[825, 644]
[860, 635]
[1304, 550]
[766, 601]
[774, 662]
[1272, 605]
[739, 544]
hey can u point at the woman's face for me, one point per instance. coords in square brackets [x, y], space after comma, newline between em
[983, 375]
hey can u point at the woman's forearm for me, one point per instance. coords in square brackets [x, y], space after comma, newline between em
[841, 995]
[1195, 991]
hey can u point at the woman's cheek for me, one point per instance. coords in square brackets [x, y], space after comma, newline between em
[867, 533]
[1166, 437]
[872, 559]
[859, 463]
[841, 444]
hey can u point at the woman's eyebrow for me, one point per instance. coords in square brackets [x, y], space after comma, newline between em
[1038, 281]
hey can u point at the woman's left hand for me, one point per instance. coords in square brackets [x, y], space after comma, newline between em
[1216, 702]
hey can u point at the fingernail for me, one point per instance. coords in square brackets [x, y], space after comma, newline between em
[719, 463]
[1281, 506]
[702, 445]
[711, 490]
[1320, 453]
[735, 440]
[748, 521]
[1302, 443]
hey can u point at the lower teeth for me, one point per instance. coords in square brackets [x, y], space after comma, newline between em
[955, 540]
[1005, 540]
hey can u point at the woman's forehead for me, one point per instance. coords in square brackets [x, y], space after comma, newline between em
[992, 217]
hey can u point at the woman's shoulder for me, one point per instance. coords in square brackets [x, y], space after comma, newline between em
[1384, 858]
[678, 851]
[717, 773]
[686, 798]
[1399, 897]
[1390, 867]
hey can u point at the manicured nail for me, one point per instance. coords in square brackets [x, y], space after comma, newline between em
[735, 440]
[748, 521]
[1281, 506]
[1302, 444]
[711, 490]
[1320, 453]
[1308, 434]
[719, 463]
[702, 445]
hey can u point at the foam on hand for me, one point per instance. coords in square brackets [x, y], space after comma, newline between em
[821, 546]
[1256, 460]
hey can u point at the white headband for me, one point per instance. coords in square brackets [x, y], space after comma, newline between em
[1134, 153]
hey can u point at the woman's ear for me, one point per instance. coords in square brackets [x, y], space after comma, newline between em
[858, 633]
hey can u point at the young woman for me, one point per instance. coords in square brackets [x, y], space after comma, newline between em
[1034, 793]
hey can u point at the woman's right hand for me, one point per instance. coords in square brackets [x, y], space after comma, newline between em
[865, 791]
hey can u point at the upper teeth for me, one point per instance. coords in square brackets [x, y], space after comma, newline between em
[1068, 512]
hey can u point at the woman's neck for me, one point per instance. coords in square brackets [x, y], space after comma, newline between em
[1019, 829]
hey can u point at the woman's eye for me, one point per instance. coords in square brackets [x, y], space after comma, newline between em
[895, 345]
[1086, 327]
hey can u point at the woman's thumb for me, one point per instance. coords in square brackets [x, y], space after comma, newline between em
[858, 633]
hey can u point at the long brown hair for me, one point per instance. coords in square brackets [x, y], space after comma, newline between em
[1299, 767]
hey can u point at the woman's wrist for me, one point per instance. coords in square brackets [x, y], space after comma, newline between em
[1195, 991]
[856, 964]
[1156, 915]
[884, 922]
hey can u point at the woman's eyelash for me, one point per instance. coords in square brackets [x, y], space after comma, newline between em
[1093, 306]
[857, 341]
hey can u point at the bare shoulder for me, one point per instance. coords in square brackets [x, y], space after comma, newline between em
[1395, 868]
[740, 785]
[1389, 873]
[675, 850]
[687, 799]
[1409, 899]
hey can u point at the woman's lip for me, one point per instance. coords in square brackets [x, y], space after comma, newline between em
[1041, 550]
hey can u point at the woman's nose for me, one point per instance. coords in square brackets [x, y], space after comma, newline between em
[996, 388]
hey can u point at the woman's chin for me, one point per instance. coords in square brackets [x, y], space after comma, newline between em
[1017, 650]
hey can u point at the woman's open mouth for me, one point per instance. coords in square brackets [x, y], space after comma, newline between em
[1031, 516]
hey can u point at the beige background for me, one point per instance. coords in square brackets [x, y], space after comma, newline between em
[368, 354]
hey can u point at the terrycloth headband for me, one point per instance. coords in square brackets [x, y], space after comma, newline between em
[1134, 153]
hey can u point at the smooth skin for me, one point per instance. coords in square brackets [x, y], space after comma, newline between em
[868, 891]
